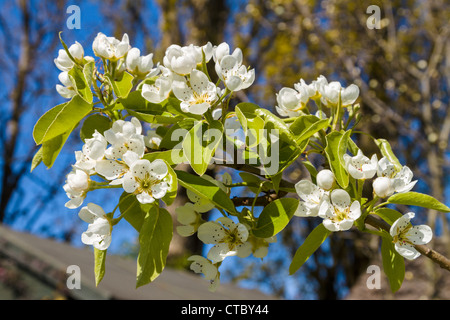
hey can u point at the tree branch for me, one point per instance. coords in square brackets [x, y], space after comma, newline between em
[435, 256]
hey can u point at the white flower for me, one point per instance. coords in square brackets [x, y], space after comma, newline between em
[382, 187]
[181, 60]
[290, 102]
[98, 233]
[230, 70]
[330, 93]
[405, 236]
[160, 90]
[141, 66]
[311, 197]
[390, 180]
[110, 47]
[189, 218]
[114, 170]
[197, 52]
[124, 136]
[202, 265]
[63, 62]
[259, 247]
[152, 139]
[360, 166]
[338, 212]
[148, 180]
[197, 96]
[66, 90]
[229, 238]
[76, 187]
[402, 180]
[325, 179]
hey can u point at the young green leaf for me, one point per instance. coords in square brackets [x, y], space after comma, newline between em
[306, 126]
[99, 265]
[80, 83]
[93, 123]
[201, 143]
[386, 150]
[123, 86]
[132, 210]
[154, 241]
[60, 119]
[312, 242]
[388, 215]
[393, 264]
[275, 216]
[51, 148]
[206, 189]
[418, 199]
[335, 150]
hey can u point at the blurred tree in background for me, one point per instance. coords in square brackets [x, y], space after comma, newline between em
[402, 70]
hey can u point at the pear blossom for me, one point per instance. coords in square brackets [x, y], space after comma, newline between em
[290, 102]
[230, 70]
[325, 179]
[66, 90]
[148, 180]
[124, 136]
[189, 218]
[180, 60]
[311, 197]
[152, 139]
[110, 47]
[64, 63]
[338, 211]
[391, 180]
[330, 93]
[197, 52]
[198, 95]
[114, 170]
[202, 265]
[98, 233]
[140, 66]
[405, 236]
[160, 89]
[76, 186]
[259, 247]
[360, 166]
[229, 238]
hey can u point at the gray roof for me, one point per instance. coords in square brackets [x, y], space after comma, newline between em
[48, 259]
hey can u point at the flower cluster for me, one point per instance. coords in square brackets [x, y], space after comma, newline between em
[116, 157]
[227, 237]
[339, 212]
[292, 102]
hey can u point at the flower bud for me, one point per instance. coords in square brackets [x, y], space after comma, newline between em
[325, 179]
[382, 186]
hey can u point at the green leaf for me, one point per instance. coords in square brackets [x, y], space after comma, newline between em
[418, 199]
[154, 241]
[176, 134]
[37, 159]
[123, 86]
[171, 193]
[393, 264]
[59, 119]
[388, 215]
[80, 83]
[335, 150]
[308, 247]
[386, 150]
[132, 210]
[206, 189]
[306, 126]
[200, 144]
[51, 148]
[99, 265]
[275, 216]
[92, 123]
